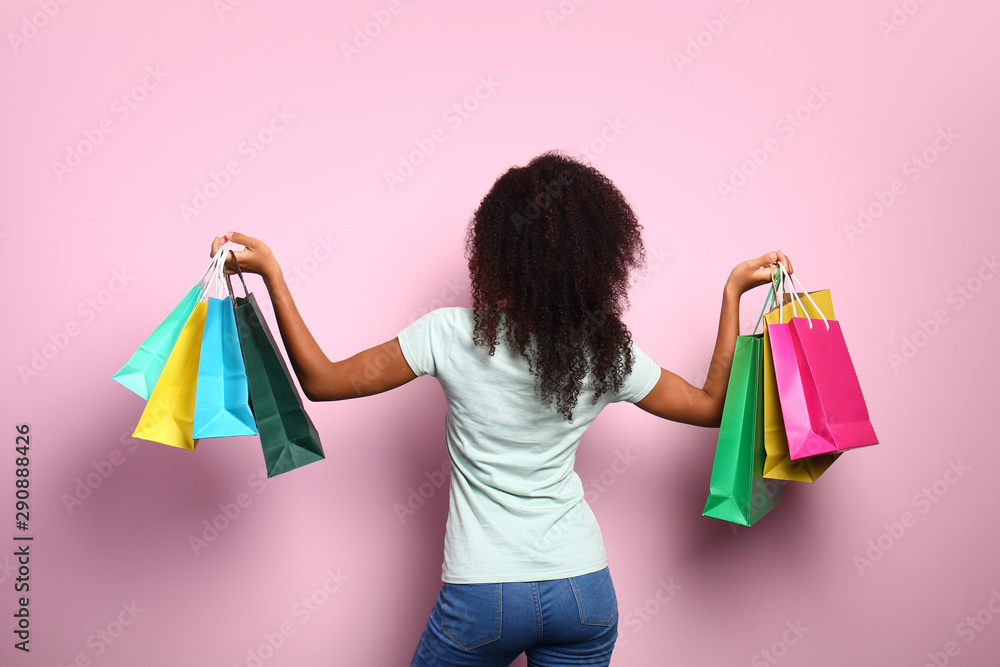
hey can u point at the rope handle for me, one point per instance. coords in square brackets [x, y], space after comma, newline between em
[229, 281]
[796, 297]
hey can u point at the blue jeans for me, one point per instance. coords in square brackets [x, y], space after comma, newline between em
[570, 621]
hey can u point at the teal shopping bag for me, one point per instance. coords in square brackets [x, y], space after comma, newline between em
[143, 369]
[222, 407]
[738, 492]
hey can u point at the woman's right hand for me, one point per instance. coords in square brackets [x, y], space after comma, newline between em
[760, 271]
[255, 257]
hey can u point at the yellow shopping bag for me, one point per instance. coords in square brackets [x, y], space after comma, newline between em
[777, 464]
[169, 415]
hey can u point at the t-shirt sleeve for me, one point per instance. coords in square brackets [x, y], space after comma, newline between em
[427, 341]
[644, 376]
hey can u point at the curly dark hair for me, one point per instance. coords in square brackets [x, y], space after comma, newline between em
[551, 248]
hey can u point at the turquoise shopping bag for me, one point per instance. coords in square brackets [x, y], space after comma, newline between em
[143, 369]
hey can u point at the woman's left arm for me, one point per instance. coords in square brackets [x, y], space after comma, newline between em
[371, 371]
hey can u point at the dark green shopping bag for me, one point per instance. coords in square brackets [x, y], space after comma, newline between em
[287, 435]
[738, 492]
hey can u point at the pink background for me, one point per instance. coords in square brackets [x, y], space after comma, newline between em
[367, 259]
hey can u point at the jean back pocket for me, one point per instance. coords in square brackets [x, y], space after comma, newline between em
[595, 598]
[471, 614]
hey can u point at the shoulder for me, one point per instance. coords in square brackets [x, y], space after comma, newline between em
[451, 315]
[642, 376]
[440, 323]
[448, 314]
[427, 342]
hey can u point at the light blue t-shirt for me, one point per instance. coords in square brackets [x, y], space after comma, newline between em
[516, 508]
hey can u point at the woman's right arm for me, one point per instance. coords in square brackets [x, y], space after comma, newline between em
[368, 372]
[676, 399]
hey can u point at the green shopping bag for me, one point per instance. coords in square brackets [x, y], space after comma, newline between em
[738, 493]
[287, 435]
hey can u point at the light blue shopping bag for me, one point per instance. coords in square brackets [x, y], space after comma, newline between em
[222, 398]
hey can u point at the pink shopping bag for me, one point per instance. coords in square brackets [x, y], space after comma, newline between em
[821, 401]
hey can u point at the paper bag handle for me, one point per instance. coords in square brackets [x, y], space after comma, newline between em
[206, 277]
[769, 301]
[220, 272]
[798, 285]
[212, 275]
[229, 281]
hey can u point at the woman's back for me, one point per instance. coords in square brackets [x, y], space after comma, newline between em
[517, 511]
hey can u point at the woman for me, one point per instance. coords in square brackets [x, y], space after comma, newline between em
[551, 248]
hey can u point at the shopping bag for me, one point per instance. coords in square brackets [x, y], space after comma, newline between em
[822, 405]
[169, 413]
[221, 407]
[142, 370]
[738, 493]
[777, 462]
[288, 437]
